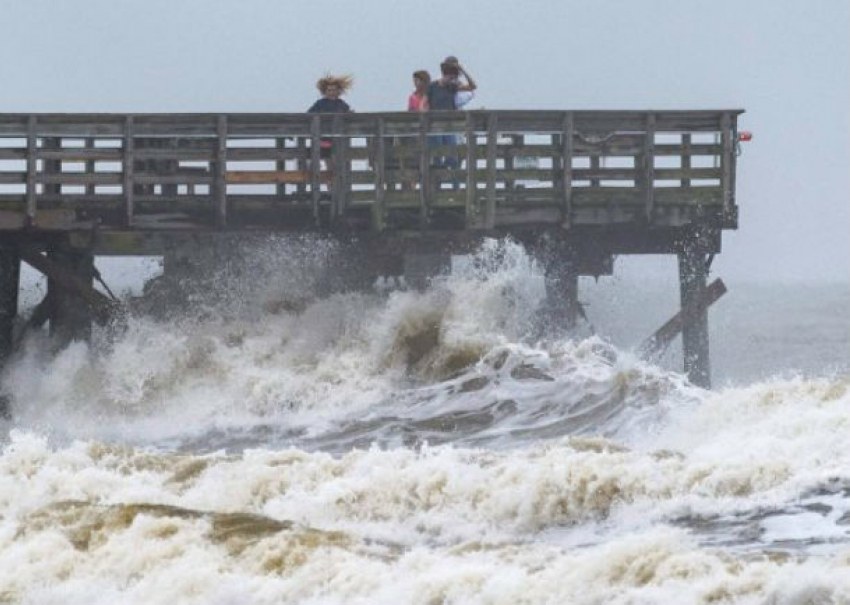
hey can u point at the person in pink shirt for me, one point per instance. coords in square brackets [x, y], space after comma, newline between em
[418, 100]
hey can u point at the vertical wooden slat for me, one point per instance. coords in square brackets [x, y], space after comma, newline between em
[594, 167]
[51, 167]
[649, 167]
[567, 134]
[424, 170]
[315, 165]
[471, 165]
[337, 193]
[90, 165]
[129, 165]
[380, 179]
[686, 158]
[492, 139]
[726, 161]
[516, 142]
[32, 166]
[220, 198]
[280, 144]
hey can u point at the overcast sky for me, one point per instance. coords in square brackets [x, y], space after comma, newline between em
[784, 61]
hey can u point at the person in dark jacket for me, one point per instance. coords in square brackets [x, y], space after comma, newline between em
[441, 93]
[441, 97]
[331, 89]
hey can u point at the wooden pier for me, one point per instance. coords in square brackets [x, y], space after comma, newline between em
[577, 187]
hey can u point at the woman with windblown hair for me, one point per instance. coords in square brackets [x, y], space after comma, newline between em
[331, 88]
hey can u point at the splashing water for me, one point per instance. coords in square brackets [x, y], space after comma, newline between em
[271, 442]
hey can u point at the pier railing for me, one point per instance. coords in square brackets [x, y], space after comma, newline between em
[439, 170]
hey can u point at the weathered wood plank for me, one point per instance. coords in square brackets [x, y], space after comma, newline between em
[337, 160]
[471, 167]
[80, 178]
[265, 154]
[32, 167]
[13, 178]
[378, 221]
[492, 135]
[315, 166]
[11, 153]
[567, 136]
[129, 165]
[424, 170]
[80, 154]
[655, 344]
[270, 177]
[649, 167]
[181, 177]
[220, 185]
[90, 164]
[726, 160]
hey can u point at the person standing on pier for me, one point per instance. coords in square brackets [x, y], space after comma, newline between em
[462, 97]
[418, 99]
[441, 97]
[331, 89]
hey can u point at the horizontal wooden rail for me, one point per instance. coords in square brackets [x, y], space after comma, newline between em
[378, 171]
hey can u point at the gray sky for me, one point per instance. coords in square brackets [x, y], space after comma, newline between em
[784, 61]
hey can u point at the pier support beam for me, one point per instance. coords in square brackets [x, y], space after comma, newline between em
[562, 290]
[10, 273]
[693, 275]
[70, 315]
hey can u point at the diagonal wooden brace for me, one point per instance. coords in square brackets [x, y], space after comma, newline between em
[655, 344]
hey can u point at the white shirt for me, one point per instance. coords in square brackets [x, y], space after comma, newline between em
[463, 97]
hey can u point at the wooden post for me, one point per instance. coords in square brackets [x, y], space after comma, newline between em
[380, 179]
[129, 167]
[594, 169]
[424, 170]
[10, 272]
[693, 273]
[561, 281]
[168, 168]
[70, 314]
[649, 167]
[280, 166]
[686, 159]
[471, 166]
[337, 194]
[567, 132]
[315, 166]
[51, 167]
[220, 195]
[32, 167]
[492, 139]
[726, 161]
[90, 164]
[516, 143]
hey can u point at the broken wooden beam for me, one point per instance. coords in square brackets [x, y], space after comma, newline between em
[659, 341]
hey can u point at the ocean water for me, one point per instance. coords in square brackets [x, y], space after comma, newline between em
[250, 437]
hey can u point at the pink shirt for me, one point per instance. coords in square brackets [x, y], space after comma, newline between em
[414, 102]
